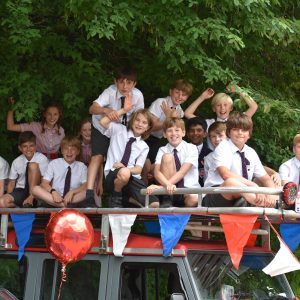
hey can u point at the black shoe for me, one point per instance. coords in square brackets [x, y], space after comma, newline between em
[90, 201]
[166, 201]
[116, 200]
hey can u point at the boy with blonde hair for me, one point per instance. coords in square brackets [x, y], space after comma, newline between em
[176, 165]
[290, 170]
[64, 183]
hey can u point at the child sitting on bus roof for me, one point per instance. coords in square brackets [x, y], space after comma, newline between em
[25, 172]
[64, 183]
[176, 165]
[236, 164]
[289, 170]
[126, 156]
[196, 132]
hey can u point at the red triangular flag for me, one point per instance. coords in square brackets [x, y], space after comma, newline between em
[237, 229]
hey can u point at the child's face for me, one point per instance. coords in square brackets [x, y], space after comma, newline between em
[178, 96]
[140, 125]
[196, 134]
[174, 135]
[217, 138]
[222, 109]
[239, 137]
[69, 153]
[28, 149]
[86, 130]
[125, 86]
[296, 150]
[51, 116]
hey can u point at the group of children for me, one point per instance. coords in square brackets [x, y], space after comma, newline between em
[124, 141]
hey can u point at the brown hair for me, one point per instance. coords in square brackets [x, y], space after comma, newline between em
[70, 141]
[26, 136]
[217, 127]
[43, 121]
[182, 85]
[84, 121]
[125, 72]
[145, 112]
[239, 120]
[171, 122]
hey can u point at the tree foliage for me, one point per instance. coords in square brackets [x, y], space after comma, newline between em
[65, 50]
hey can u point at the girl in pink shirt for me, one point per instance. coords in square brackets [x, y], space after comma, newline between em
[48, 131]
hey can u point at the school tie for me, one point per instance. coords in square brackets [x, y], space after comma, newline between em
[124, 118]
[127, 152]
[26, 187]
[67, 182]
[180, 183]
[245, 162]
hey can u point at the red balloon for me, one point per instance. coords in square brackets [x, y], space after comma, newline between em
[69, 235]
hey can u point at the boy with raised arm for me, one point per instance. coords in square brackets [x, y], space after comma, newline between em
[107, 104]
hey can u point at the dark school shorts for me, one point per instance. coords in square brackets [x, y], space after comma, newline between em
[132, 189]
[177, 200]
[19, 196]
[154, 144]
[100, 142]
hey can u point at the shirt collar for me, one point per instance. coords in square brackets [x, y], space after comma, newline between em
[221, 120]
[178, 148]
[234, 148]
[130, 134]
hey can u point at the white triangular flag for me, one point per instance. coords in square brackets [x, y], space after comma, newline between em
[120, 227]
[283, 262]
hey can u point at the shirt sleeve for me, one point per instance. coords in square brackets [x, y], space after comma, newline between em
[114, 128]
[35, 127]
[222, 156]
[284, 172]
[49, 174]
[159, 155]
[259, 169]
[13, 174]
[83, 177]
[103, 99]
[192, 155]
[142, 157]
[4, 169]
[43, 164]
[155, 108]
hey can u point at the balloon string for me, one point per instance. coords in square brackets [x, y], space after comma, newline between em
[63, 279]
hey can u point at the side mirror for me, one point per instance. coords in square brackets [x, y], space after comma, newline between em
[177, 296]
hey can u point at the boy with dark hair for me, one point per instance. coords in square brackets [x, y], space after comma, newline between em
[196, 132]
[176, 165]
[236, 164]
[108, 103]
[26, 172]
[64, 183]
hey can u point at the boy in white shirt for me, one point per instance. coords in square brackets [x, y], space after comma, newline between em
[107, 104]
[25, 172]
[290, 170]
[126, 156]
[4, 172]
[64, 183]
[236, 164]
[176, 165]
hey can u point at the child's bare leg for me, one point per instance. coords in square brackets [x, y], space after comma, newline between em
[34, 178]
[95, 163]
[7, 201]
[122, 179]
[79, 197]
[40, 193]
[191, 200]
[167, 165]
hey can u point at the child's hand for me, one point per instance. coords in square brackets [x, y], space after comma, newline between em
[151, 188]
[118, 165]
[113, 115]
[57, 197]
[68, 197]
[11, 101]
[233, 88]
[128, 103]
[276, 179]
[171, 188]
[167, 110]
[208, 93]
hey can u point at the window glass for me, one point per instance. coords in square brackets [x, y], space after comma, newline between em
[13, 274]
[82, 280]
[149, 281]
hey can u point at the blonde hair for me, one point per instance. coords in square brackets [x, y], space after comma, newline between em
[221, 97]
[217, 127]
[70, 141]
[145, 112]
[296, 139]
[171, 122]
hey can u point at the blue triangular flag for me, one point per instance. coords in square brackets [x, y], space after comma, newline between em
[23, 226]
[290, 233]
[171, 228]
